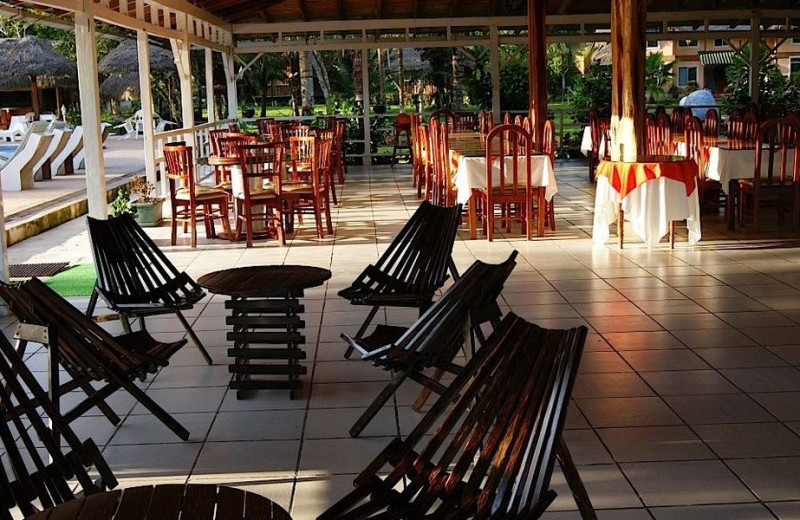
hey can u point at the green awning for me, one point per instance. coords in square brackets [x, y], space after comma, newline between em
[716, 57]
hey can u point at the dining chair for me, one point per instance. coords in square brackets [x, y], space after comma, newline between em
[330, 134]
[228, 147]
[263, 126]
[276, 132]
[189, 200]
[296, 130]
[443, 193]
[301, 157]
[444, 116]
[401, 127]
[776, 170]
[311, 196]
[465, 122]
[709, 190]
[711, 124]
[678, 119]
[594, 134]
[507, 195]
[416, 159]
[662, 144]
[549, 149]
[750, 125]
[483, 121]
[425, 186]
[260, 189]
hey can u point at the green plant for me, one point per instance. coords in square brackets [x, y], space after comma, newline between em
[658, 74]
[593, 89]
[122, 203]
[142, 192]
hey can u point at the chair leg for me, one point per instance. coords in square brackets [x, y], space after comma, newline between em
[92, 303]
[672, 234]
[226, 223]
[174, 227]
[194, 337]
[574, 481]
[425, 393]
[328, 217]
[621, 227]
[193, 231]
[362, 330]
[376, 405]
[248, 222]
[161, 414]
[279, 231]
[102, 405]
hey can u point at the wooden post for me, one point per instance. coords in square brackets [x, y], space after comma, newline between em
[494, 48]
[86, 53]
[628, 109]
[537, 67]
[755, 57]
[146, 95]
[59, 115]
[181, 50]
[210, 107]
[229, 63]
[35, 97]
[365, 94]
[402, 78]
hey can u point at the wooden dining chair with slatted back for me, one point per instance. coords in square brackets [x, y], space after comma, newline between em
[258, 193]
[330, 134]
[549, 149]
[677, 120]
[416, 160]
[190, 201]
[776, 170]
[301, 158]
[229, 148]
[711, 123]
[444, 117]
[338, 163]
[263, 127]
[465, 122]
[213, 138]
[425, 188]
[276, 132]
[750, 126]
[437, 191]
[662, 144]
[296, 130]
[311, 196]
[650, 134]
[508, 179]
[709, 190]
[483, 123]
[594, 138]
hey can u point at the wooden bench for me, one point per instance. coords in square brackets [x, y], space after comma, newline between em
[136, 279]
[435, 339]
[37, 473]
[87, 352]
[493, 454]
[413, 267]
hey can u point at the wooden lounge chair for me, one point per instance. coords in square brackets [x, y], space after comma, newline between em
[435, 339]
[493, 454]
[88, 353]
[412, 268]
[136, 279]
[38, 474]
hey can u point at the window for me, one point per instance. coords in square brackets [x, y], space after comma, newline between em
[794, 65]
[652, 44]
[688, 43]
[686, 75]
[795, 41]
[720, 42]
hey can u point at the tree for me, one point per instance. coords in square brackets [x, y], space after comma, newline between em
[593, 89]
[258, 79]
[560, 67]
[658, 74]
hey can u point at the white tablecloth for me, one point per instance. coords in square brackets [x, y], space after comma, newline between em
[471, 173]
[586, 141]
[650, 207]
[725, 164]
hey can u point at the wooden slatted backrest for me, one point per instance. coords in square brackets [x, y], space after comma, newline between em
[417, 259]
[276, 132]
[549, 141]
[508, 160]
[131, 268]
[263, 125]
[493, 454]
[443, 193]
[678, 118]
[180, 170]
[229, 145]
[465, 122]
[750, 126]
[261, 161]
[711, 126]
[37, 472]
[695, 149]
[735, 126]
[322, 163]
[472, 299]
[296, 130]
[777, 161]
[85, 348]
[483, 121]
[214, 136]
[301, 153]
[594, 131]
[662, 144]
[445, 117]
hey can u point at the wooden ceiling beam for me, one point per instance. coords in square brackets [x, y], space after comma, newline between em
[562, 8]
[340, 9]
[301, 6]
[416, 9]
[378, 8]
[453, 7]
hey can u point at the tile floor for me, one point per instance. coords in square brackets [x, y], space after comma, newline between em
[685, 407]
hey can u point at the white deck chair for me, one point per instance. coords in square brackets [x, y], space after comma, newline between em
[16, 128]
[74, 144]
[79, 155]
[60, 138]
[17, 174]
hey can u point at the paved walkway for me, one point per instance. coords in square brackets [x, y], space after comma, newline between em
[685, 408]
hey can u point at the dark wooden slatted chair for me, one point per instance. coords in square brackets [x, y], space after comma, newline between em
[136, 279]
[412, 269]
[37, 474]
[88, 353]
[434, 340]
[493, 454]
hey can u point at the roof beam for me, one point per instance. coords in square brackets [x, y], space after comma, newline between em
[301, 7]
[340, 9]
[378, 8]
[562, 8]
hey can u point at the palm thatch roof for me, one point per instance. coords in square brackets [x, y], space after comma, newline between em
[115, 86]
[124, 59]
[32, 56]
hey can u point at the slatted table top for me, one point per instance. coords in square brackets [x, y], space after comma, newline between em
[168, 502]
[263, 280]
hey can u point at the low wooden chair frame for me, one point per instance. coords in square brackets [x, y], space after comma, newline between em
[493, 454]
[136, 279]
[88, 353]
[412, 268]
[451, 324]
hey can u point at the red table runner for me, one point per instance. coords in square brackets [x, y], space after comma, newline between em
[625, 177]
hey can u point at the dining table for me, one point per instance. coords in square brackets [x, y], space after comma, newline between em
[468, 160]
[651, 193]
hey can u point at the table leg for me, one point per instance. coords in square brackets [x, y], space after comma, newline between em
[730, 203]
[541, 208]
[472, 212]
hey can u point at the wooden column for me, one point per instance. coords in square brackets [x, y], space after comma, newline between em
[35, 97]
[229, 63]
[494, 48]
[537, 66]
[181, 50]
[146, 95]
[366, 96]
[86, 52]
[755, 56]
[210, 103]
[628, 109]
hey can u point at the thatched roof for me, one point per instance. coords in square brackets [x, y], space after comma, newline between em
[114, 86]
[124, 60]
[32, 56]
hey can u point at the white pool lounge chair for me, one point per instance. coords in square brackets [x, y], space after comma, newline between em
[18, 173]
[62, 164]
[16, 128]
[43, 168]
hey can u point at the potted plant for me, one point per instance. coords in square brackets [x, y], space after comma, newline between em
[145, 205]
[248, 112]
